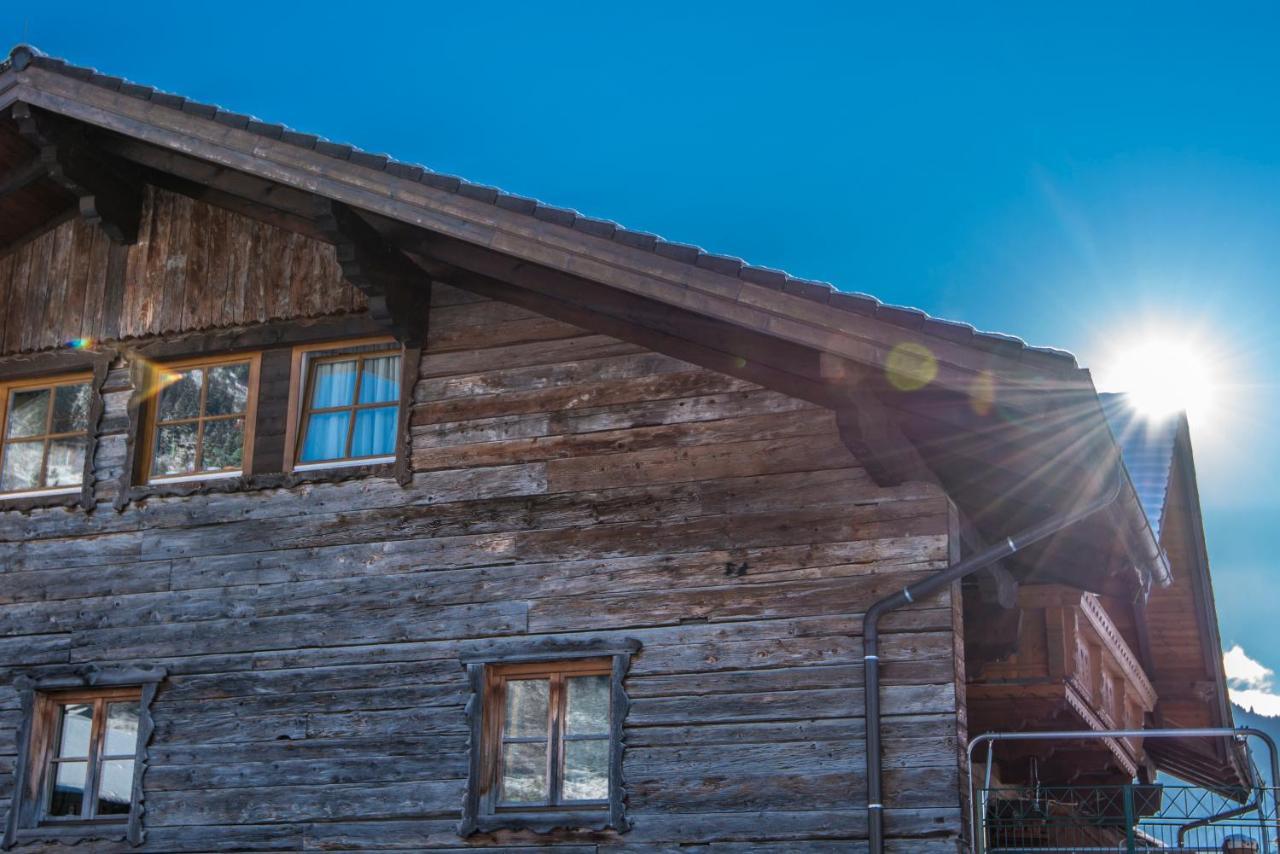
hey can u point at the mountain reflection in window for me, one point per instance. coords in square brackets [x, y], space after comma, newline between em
[200, 420]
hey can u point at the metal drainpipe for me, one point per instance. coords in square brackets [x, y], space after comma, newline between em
[918, 592]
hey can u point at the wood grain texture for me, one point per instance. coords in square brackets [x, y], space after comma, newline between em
[195, 266]
[563, 486]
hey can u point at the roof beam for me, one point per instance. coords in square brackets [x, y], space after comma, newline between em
[22, 176]
[361, 182]
[109, 192]
[395, 286]
[871, 433]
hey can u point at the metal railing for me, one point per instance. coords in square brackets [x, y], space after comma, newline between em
[1123, 818]
[1129, 818]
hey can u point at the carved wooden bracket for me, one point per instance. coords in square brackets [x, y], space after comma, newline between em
[109, 191]
[395, 286]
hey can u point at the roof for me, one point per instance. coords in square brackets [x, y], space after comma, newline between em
[908, 318]
[1147, 447]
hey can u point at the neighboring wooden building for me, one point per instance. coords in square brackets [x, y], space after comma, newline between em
[348, 505]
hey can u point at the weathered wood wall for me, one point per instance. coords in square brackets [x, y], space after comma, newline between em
[195, 266]
[564, 483]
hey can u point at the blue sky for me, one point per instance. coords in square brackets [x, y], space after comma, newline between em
[1068, 174]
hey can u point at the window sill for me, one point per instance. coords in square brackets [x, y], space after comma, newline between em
[343, 464]
[69, 833]
[251, 483]
[38, 499]
[194, 478]
[543, 821]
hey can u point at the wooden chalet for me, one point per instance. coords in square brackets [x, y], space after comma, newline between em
[348, 505]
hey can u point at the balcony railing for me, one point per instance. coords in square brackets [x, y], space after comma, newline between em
[1130, 818]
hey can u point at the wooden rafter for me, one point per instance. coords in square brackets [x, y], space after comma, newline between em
[22, 175]
[395, 286]
[871, 433]
[109, 192]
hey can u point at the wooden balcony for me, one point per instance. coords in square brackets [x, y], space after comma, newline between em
[1072, 669]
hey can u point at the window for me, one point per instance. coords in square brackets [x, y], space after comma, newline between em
[82, 753]
[201, 418]
[554, 729]
[547, 739]
[90, 759]
[46, 436]
[350, 405]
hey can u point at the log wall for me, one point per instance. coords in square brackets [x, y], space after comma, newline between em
[564, 483]
[195, 266]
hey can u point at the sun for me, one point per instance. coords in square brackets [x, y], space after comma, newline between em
[1163, 373]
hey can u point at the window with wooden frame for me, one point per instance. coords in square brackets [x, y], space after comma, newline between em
[82, 754]
[89, 759]
[547, 740]
[346, 404]
[200, 417]
[43, 448]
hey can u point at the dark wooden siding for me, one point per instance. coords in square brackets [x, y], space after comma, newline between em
[564, 483]
[195, 266]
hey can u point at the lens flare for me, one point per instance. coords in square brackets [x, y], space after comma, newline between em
[910, 366]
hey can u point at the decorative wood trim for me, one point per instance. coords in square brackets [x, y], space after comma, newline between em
[109, 190]
[97, 408]
[49, 363]
[410, 366]
[398, 290]
[538, 654]
[21, 824]
[263, 336]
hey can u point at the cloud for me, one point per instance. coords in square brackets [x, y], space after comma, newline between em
[1251, 684]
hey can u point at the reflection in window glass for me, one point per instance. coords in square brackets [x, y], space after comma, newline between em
[351, 409]
[74, 731]
[115, 787]
[93, 744]
[45, 436]
[586, 769]
[555, 734]
[121, 729]
[67, 798]
[200, 418]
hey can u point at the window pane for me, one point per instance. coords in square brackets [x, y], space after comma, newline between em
[66, 462]
[21, 468]
[586, 770]
[228, 390]
[175, 450]
[27, 412]
[334, 384]
[71, 408]
[180, 397]
[76, 726]
[223, 444]
[526, 713]
[115, 788]
[375, 433]
[524, 773]
[122, 729]
[380, 380]
[326, 436]
[587, 705]
[67, 797]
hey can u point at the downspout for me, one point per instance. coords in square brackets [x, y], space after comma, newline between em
[920, 591]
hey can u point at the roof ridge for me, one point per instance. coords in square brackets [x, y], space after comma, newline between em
[24, 55]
